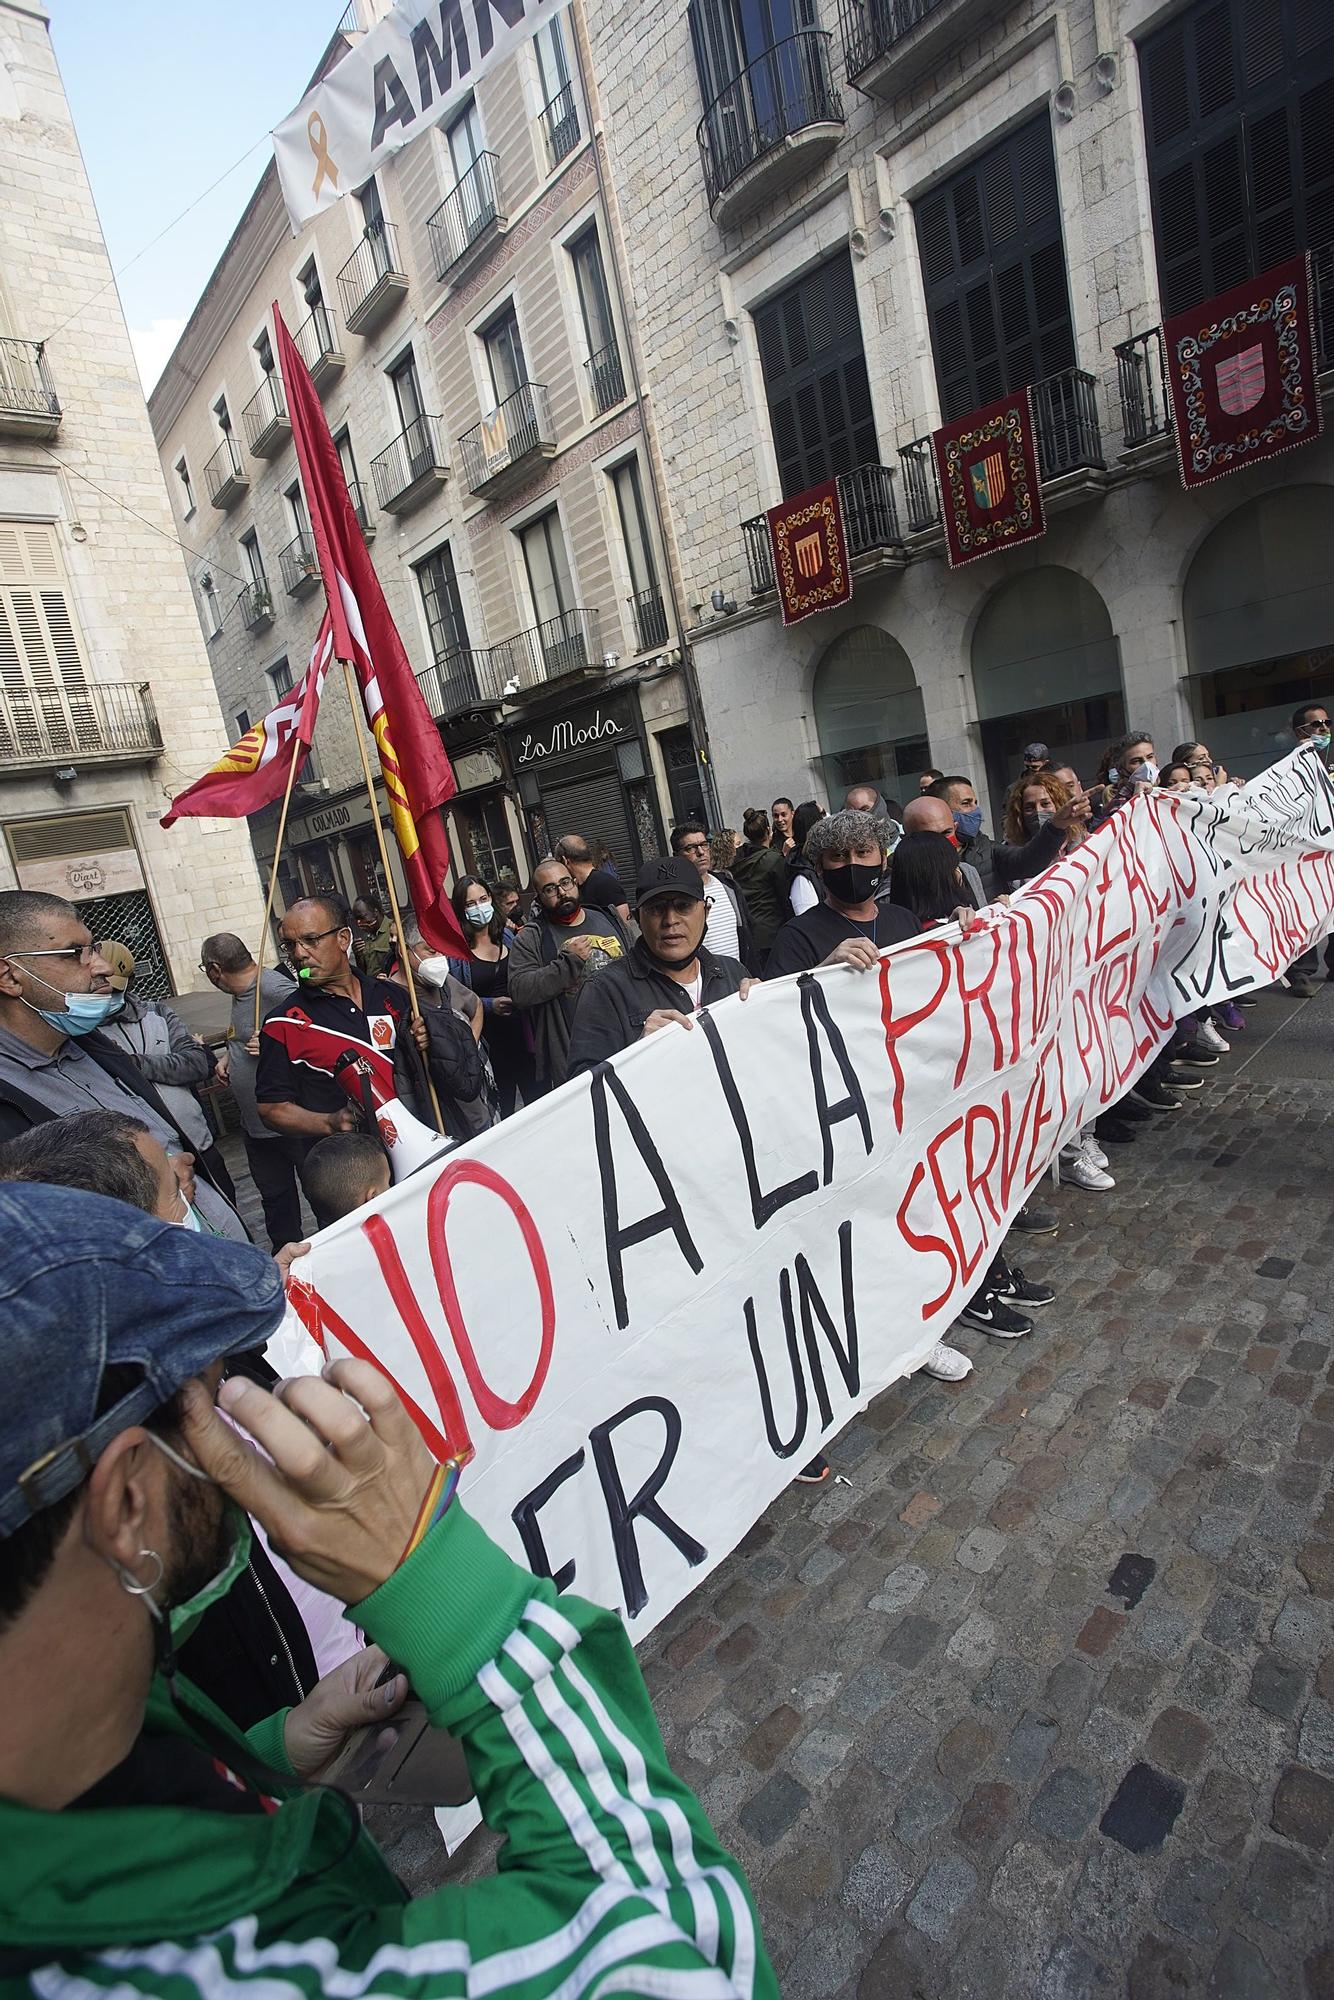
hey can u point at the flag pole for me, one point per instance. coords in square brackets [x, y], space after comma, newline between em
[273, 876]
[405, 956]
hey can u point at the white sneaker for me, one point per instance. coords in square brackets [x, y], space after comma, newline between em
[1093, 1152]
[947, 1364]
[1208, 1037]
[1081, 1173]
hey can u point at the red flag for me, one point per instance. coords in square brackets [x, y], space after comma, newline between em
[417, 776]
[254, 771]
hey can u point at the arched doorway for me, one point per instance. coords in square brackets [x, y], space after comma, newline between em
[869, 716]
[1046, 668]
[1259, 614]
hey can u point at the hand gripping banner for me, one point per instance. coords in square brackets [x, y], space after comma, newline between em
[646, 1300]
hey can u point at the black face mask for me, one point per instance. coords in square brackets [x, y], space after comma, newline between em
[854, 882]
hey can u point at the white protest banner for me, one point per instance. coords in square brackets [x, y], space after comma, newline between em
[645, 1301]
[414, 69]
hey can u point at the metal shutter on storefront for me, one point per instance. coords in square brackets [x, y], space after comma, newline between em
[993, 266]
[810, 341]
[1239, 128]
[594, 806]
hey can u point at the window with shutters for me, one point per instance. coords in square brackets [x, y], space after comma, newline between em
[42, 673]
[1239, 131]
[438, 582]
[810, 342]
[993, 270]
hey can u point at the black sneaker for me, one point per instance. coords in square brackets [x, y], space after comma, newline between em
[1021, 1291]
[1128, 1112]
[1303, 988]
[1112, 1132]
[1149, 1091]
[815, 1473]
[1032, 1221]
[1179, 1077]
[993, 1314]
[1253, 999]
[1196, 1058]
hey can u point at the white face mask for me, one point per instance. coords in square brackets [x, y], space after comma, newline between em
[434, 971]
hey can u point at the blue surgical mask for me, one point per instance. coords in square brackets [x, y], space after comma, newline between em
[191, 1219]
[81, 1013]
[480, 913]
[968, 824]
[1321, 741]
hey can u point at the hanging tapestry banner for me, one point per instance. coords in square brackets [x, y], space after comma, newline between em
[990, 490]
[810, 552]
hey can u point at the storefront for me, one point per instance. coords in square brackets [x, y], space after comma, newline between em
[582, 767]
[333, 848]
[93, 861]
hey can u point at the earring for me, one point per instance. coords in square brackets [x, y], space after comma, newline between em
[130, 1583]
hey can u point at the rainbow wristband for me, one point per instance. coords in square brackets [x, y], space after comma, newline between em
[435, 1502]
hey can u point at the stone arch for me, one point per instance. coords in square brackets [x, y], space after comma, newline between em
[869, 715]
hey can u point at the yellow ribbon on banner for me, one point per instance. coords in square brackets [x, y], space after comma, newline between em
[325, 167]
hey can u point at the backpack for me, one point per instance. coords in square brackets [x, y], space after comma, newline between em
[457, 1070]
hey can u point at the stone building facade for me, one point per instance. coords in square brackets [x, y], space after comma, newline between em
[107, 705]
[858, 219]
[463, 319]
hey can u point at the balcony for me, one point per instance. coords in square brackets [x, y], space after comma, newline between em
[106, 722]
[265, 419]
[889, 44]
[870, 524]
[372, 282]
[1069, 442]
[469, 222]
[29, 405]
[570, 643]
[300, 566]
[777, 120]
[560, 127]
[256, 602]
[606, 377]
[650, 619]
[411, 467]
[460, 682]
[366, 521]
[505, 447]
[225, 475]
[1141, 367]
[316, 341]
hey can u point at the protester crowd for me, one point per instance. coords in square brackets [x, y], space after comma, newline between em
[200, 1586]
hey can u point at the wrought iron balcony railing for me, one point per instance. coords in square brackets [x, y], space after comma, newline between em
[299, 565]
[566, 644]
[372, 281]
[782, 93]
[265, 420]
[408, 468]
[870, 28]
[225, 475]
[560, 127]
[507, 442]
[1065, 424]
[316, 341]
[1141, 361]
[257, 604]
[870, 521]
[458, 681]
[650, 616]
[606, 377]
[468, 217]
[29, 405]
[105, 722]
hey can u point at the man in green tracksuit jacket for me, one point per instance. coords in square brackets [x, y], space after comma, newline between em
[148, 1847]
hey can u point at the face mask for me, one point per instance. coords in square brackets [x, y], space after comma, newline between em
[969, 824]
[81, 1013]
[1321, 741]
[1036, 817]
[183, 1618]
[480, 914]
[854, 882]
[434, 972]
[190, 1220]
[1147, 774]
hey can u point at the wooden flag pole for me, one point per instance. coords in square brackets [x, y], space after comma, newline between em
[405, 956]
[273, 877]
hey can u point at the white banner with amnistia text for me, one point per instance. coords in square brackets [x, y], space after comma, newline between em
[645, 1301]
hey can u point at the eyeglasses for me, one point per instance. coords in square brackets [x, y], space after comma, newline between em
[555, 888]
[312, 938]
[695, 847]
[1312, 724]
[77, 954]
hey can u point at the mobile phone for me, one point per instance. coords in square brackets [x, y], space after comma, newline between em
[403, 1762]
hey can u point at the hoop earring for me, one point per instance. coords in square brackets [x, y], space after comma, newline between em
[131, 1585]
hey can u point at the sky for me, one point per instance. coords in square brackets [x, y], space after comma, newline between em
[165, 99]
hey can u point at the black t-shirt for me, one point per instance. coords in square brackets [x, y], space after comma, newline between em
[280, 1080]
[806, 941]
[602, 891]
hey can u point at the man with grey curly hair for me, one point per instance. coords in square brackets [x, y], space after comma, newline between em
[849, 927]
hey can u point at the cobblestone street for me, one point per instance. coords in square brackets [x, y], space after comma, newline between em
[1041, 1702]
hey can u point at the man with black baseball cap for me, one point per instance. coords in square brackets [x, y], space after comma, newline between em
[667, 975]
[151, 1848]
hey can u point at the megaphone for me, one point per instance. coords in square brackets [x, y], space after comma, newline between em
[408, 1143]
